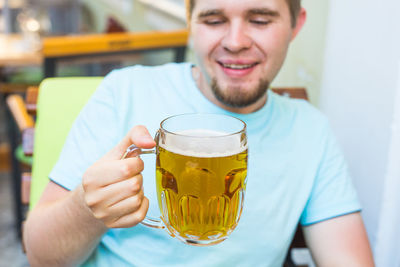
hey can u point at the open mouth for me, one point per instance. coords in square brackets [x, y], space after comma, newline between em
[237, 66]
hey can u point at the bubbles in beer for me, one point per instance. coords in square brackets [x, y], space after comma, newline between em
[169, 181]
[233, 181]
[201, 183]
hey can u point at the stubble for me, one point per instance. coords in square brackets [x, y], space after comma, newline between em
[236, 97]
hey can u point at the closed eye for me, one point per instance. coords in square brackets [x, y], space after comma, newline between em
[214, 22]
[212, 17]
[260, 22]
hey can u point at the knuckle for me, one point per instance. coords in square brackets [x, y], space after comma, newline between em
[136, 202]
[86, 182]
[110, 224]
[139, 164]
[90, 201]
[141, 213]
[140, 216]
[136, 184]
[98, 215]
[126, 170]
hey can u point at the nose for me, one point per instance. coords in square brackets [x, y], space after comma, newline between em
[237, 38]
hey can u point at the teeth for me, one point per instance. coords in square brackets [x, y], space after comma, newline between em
[237, 66]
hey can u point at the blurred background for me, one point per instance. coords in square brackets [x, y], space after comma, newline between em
[347, 57]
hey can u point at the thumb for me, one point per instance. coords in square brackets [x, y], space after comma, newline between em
[138, 136]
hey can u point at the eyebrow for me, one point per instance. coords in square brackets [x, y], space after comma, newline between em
[210, 12]
[253, 11]
[263, 11]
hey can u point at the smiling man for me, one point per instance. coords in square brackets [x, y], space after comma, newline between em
[89, 213]
[241, 49]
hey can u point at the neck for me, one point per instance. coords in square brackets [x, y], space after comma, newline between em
[205, 89]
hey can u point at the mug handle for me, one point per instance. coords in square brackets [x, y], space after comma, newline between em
[135, 151]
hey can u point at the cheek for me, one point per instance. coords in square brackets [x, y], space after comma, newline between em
[204, 41]
[274, 44]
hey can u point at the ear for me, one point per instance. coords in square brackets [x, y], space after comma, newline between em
[188, 15]
[301, 19]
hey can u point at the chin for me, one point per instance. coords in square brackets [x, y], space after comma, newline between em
[239, 95]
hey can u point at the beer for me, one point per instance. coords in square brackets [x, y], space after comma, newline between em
[201, 194]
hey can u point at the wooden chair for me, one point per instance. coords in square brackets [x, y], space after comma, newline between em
[26, 112]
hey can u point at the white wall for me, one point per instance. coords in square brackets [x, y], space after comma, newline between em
[358, 90]
[388, 235]
[304, 63]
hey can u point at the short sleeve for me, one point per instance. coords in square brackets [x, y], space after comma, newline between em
[92, 134]
[333, 193]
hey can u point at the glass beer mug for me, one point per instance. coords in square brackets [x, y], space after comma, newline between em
[201, 170]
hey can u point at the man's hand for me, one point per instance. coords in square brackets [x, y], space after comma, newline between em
[113, 187]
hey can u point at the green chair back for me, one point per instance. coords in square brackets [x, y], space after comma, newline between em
[59, 103]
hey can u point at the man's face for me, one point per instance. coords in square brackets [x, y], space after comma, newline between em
[240, 46]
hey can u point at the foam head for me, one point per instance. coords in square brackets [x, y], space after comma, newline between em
[203, 143]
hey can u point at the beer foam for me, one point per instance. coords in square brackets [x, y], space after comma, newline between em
[201, 133]
[203, 143]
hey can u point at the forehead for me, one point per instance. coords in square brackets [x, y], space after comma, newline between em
[228, 6]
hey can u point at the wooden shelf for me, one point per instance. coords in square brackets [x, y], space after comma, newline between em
[106, 43]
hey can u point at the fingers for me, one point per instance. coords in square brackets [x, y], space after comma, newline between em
[138, 135]
[132, 219]
[123, 208]
[106, 173]
[124, 201]
[102, 198]
[122, 190]
[141, 137]
[127, 206]
[113, 187]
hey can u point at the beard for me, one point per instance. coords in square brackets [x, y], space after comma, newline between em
[235, 97]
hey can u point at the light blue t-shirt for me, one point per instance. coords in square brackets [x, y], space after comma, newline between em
[296, 171]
